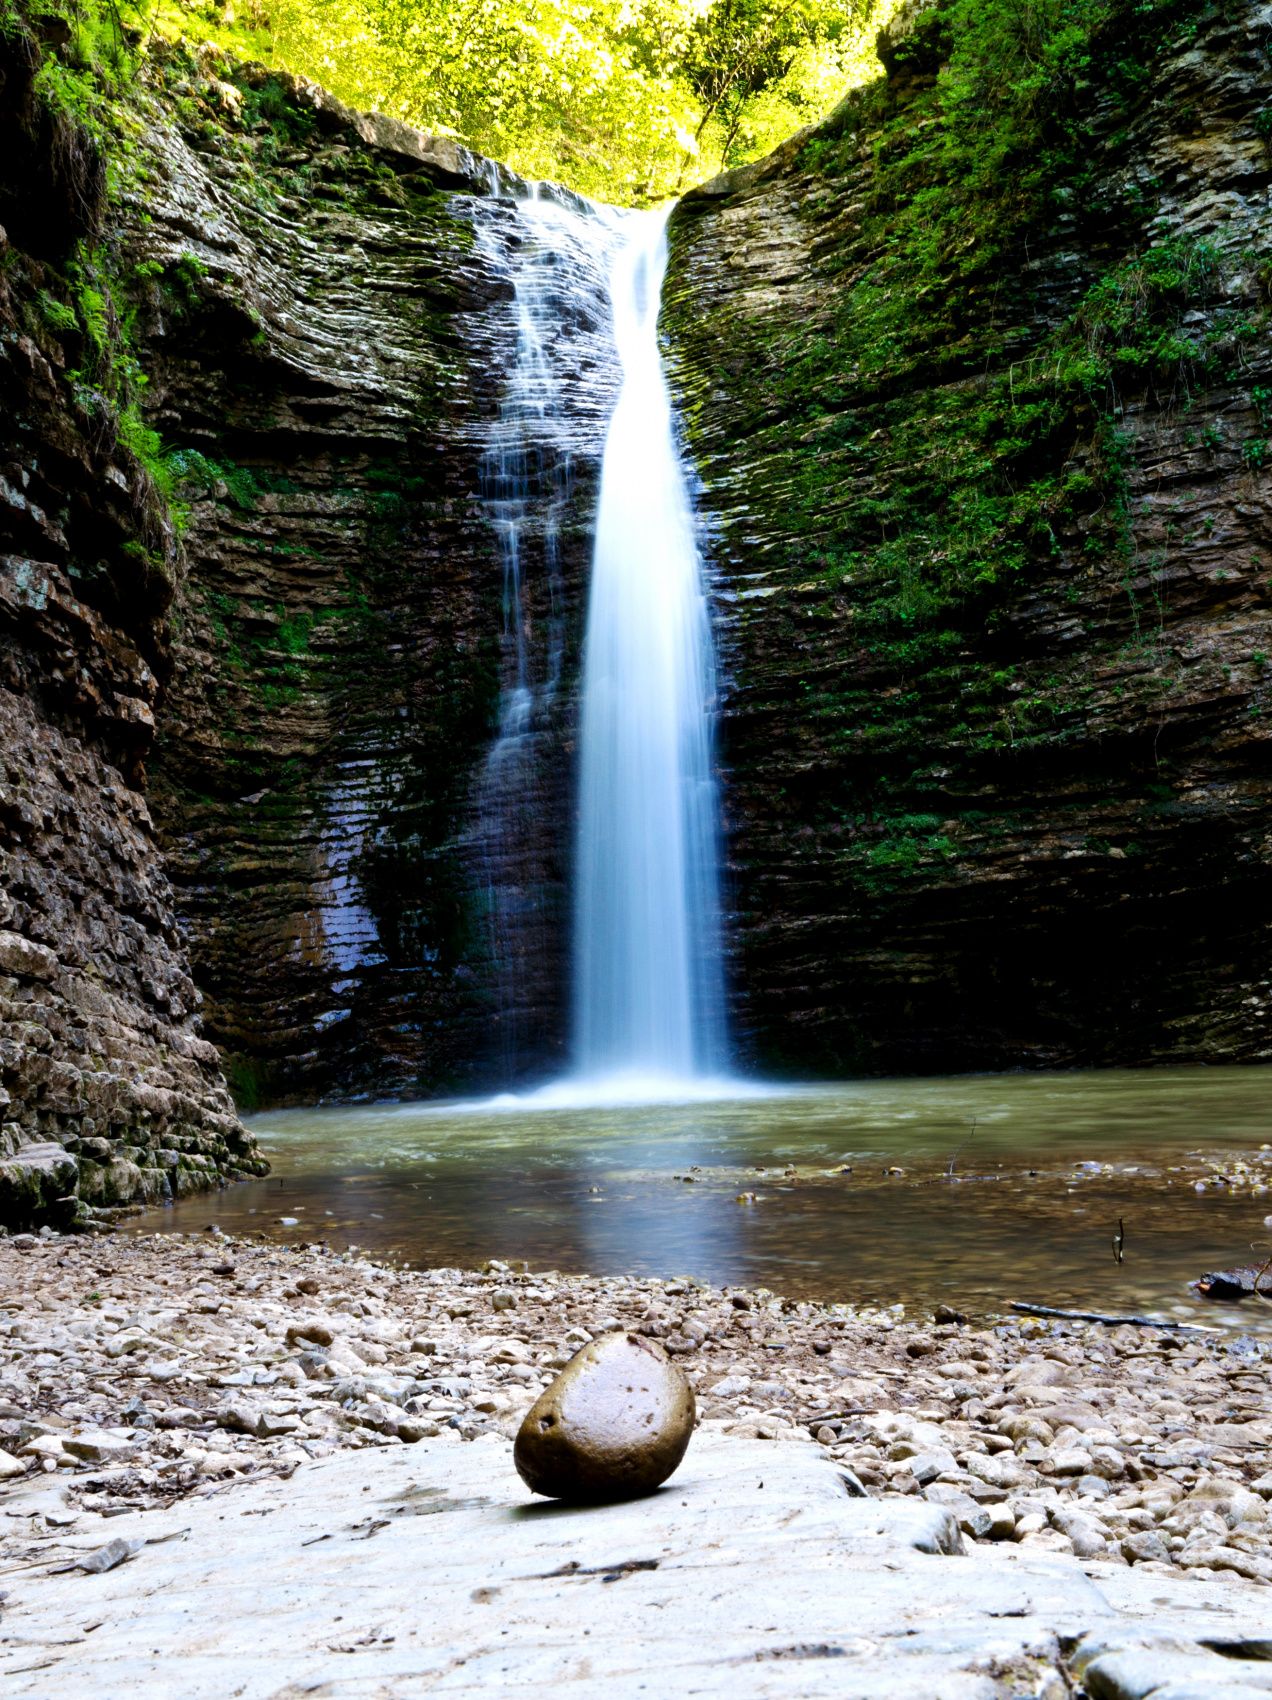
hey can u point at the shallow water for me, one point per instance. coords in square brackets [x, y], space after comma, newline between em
[1010, 1187]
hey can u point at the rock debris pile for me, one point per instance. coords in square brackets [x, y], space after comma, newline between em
[136, 1371]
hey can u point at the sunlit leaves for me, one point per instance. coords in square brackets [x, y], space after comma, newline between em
[628, 100]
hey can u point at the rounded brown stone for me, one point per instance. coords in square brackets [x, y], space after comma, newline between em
[614, 1423]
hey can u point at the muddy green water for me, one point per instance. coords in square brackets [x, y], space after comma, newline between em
[1007, 1187]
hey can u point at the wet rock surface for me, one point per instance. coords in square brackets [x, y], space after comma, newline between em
[1232, 1286]
[614, 1424]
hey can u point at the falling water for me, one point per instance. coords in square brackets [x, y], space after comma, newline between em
[556, 397]
[648, 976]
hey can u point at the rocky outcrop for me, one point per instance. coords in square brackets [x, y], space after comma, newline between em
[107, 1090]
[979, 388]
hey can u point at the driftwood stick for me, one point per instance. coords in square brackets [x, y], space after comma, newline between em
[1113, 1321]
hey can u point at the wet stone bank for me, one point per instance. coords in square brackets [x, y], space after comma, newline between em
[138, 1372]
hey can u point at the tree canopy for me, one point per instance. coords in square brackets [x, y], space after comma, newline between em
[627, 100]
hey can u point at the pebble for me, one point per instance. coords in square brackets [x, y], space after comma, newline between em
[1087, 1535]
[1068, 1461]
[109, 1557]
[1002, 1521]
[1001, 1471]
[1144, 1545]
[973, 1519]
[926, 1467]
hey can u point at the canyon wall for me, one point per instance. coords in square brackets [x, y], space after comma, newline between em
[108, 1091]
[977, 378]
[329, 329]
[977, 382]
[260, 470]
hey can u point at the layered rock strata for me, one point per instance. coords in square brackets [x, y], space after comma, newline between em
[980, 393]
[107, 1089]
[330, 332]
[298, 575]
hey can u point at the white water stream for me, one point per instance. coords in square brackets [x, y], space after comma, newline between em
[647, 979]
[648, 984]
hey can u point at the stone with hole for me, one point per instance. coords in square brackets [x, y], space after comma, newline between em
[615, 1423]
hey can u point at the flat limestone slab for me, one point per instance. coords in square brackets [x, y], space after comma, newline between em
[427, 1570]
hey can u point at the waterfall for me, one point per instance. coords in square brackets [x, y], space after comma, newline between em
[585, 383]
[648, 979]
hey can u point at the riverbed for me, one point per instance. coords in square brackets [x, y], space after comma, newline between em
[970, 1191]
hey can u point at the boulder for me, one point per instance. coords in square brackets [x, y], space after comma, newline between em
[37, 1186]
[21, 956]
[615, 1423]
[914, 42]
[1230, 1286]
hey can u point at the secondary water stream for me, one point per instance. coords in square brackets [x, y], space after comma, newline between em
[971, 1191]
[558, 393]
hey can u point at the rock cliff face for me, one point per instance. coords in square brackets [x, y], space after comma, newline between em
[330, 334]
[981, 407]
[306, 581]
[315, 608]
[107, 1090]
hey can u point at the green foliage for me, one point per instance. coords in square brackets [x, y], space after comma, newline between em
[57, 315]
[911, 841]
[293, 634]
[181, 281]
[943, 439]
[94, 63]
[86, 66]
[624, 99]
[989, 456]
[246, 1078]
[144, 444]
[92, 305]
[196, 474]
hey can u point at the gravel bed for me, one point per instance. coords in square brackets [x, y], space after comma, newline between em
[139, 1370]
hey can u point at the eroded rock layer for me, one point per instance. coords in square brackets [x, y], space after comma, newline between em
[107, 1090]
[979, 387]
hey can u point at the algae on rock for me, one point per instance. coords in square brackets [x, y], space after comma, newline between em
[975, 377]
[103, 1069]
